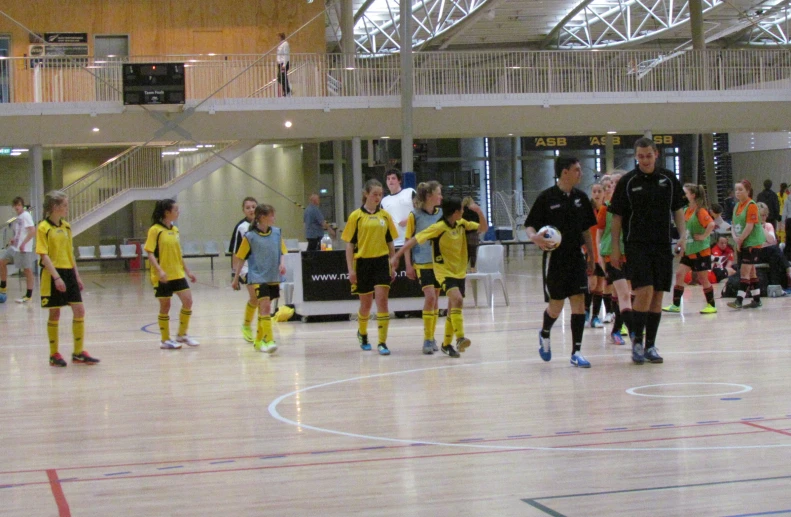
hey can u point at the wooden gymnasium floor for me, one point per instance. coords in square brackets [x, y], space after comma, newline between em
[322, 428]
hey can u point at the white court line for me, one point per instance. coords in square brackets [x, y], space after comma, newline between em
[276, 415]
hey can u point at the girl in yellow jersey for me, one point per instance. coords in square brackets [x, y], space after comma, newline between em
[168, 271]
[369, 236]
[419, 263]
[448, 240]
[264, 249]
[60, 281]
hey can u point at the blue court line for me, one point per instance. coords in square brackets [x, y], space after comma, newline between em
[221, 462]
[731, 398]
[709, 422]
[323, 452]
[117, 473]
[549, 511]
[618, 428]
[520, 436]
[272, 457]
[418, 444]
[663, 425]
[567, 432]
[171, 468]
[467, 440]
[373, 448]
[144, 328]
[776, 512]
[752, 418]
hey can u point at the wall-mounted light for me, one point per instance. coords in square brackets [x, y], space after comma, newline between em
[95, 130]
[288, 123]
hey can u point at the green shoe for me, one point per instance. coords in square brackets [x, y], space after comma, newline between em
[270, 347]
[624, 330]
[247, 333]
[708, 309]
[260, 346]
[672, 308]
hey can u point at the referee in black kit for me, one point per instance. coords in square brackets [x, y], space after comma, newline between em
[642, 205]
[565, 270]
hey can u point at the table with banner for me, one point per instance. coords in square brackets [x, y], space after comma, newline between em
[321, 286]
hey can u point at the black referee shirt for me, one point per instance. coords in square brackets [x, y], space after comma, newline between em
[570, 213]
[646, 203]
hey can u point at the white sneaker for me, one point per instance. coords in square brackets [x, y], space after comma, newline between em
[609, 318]
[187, 341]
[24, 299]
[169, 344]
[270, 348]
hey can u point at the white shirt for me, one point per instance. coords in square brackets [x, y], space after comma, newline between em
[19, 227]
[241, 230]
[283, 51]
[398, 206]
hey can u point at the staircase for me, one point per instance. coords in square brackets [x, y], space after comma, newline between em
[145, 173]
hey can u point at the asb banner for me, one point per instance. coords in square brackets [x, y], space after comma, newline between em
[324, 278]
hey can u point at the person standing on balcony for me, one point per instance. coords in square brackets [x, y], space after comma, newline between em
[61, 284]
[20, 251]
[283, 57]
[399, 203]
[643, 201]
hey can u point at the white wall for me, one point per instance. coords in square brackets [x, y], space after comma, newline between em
[211, 208]
[757, 166]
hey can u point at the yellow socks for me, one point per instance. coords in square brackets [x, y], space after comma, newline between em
[52, 334]
[78, 328]
[458, 322]
[264, 332]
[434, 323]
[383, 323]
[164, 326]
[249, 313]
[362, 324]
[184, 321]
[428, 325]
[448, 339]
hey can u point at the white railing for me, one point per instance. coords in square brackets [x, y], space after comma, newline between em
[435, 73]
[137, 167]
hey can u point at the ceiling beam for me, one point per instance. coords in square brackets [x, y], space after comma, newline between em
[467, 22]
[554, 32]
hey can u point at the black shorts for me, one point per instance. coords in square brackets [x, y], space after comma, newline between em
[598, 271]
[51, 298]
[750, 255]
[698, 263]
[166, 289]
[650, 265]
[614, 274]
[454, 283]
[370, 273]
[271, 291]
[427, 278]
[565, 275]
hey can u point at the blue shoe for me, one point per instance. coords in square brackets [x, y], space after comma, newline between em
[434, 345]
[616, 338]
[364, 344]
[652, 355]
[383, 350]
[637, 353]
[596, 323]
[428, 348]
[544, 349]
[579, 361]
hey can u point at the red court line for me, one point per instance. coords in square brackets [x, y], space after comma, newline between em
[57, 492]
[778, 431]
[408, 446]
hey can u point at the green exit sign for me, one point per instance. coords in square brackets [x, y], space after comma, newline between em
[5, 150]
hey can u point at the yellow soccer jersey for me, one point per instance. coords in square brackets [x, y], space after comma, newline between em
[370, 232]
[164, 243]
[54, 240]
[448, 247]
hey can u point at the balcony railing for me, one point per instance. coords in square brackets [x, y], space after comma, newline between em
[250, 78]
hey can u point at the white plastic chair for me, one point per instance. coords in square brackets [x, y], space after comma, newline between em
[491, 268]
[86, 252]
[210, 248]
[128, 251]
[191, 248]
[287, 285]
[108, 252]
[292, 244]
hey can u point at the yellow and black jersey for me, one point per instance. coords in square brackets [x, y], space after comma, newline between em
[164, 243]
[55, 241]
[370, 232]
[448, 247]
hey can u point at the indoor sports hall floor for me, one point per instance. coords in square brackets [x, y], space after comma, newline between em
[322, 428]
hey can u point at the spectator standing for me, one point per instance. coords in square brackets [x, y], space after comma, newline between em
[283, 58]
[728, 205]
[20, 251]
[315, 225]
[769, 198]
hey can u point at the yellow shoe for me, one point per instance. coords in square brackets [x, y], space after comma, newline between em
[260, 346]
[708, 309]
[624, 330]
[247, 333]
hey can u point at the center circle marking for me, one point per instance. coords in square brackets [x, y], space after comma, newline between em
[744, 389]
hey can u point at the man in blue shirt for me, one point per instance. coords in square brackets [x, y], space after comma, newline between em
[315, 225]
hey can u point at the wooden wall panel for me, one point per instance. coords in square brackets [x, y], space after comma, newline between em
[157, 27]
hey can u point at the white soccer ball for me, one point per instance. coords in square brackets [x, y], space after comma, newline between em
[552, 235]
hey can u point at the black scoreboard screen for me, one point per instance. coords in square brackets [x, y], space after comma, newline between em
[153, 83]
